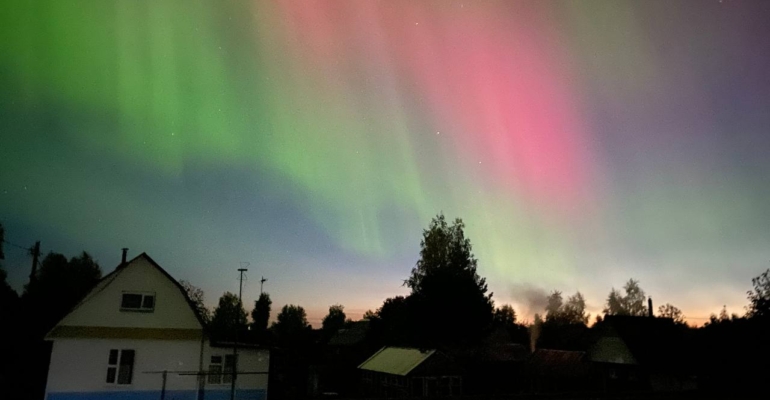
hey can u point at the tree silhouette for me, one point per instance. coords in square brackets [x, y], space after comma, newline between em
[334, 320]
[449, 299]
[574, 311]
[9, 303]
[759, 298]
[632, 303]
[8, 297]
[571, 312]
[615, 304]
[369, 315]
[391, 323]
[505, 316]
[2, 240]
[260, 315]
[59, 285]
[669, 311]
[196, 296]
[291, 325]
[554, 307]
[564, 327]
[229, 319]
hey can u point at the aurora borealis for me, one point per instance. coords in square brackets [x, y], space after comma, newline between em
[582, 142]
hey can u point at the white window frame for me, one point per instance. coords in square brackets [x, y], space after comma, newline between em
[225, 376]
[141, 307]
[116, 366]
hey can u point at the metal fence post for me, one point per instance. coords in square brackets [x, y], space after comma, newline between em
[163, 388]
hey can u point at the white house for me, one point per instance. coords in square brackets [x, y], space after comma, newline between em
[135, 324]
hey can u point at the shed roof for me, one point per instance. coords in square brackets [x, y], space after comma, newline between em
[396, 360]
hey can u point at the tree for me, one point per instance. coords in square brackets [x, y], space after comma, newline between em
[571, 312]
[574, 311]
[554, 307]
[615, 304]
[505, 316]
[369, 315]
[291, 325]
[8, 296]
[196, 297]
[635, 299]
[449, 298]
[669, 311]
[632, 303]
[261, 313]
[392, 322]
[759, 297]
[334, 320]
[2, 240]
[722, 319]
[229, 319]
[59, 285]
[9, 301]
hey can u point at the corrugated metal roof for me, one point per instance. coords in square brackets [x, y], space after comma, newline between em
[396, 360]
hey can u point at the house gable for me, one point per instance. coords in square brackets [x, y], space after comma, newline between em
[100, 314]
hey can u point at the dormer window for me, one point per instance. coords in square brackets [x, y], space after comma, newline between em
[138, 301]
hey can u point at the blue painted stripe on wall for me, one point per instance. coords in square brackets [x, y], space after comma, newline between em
[242, 394]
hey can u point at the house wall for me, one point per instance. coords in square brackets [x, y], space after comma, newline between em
[250, 361]
[78, 368]
[101, 307]
[78, 371]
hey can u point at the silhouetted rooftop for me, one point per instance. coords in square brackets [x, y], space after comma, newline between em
[352, 335]
[558, 363]
[647, 341]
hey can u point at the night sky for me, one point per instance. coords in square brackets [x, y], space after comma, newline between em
[583, 143]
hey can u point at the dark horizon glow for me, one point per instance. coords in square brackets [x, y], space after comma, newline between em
[583, 143]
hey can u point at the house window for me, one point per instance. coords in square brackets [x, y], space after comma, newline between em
[221, 372]
[138, 302]
[120, 366]
[215, 370]
[227, 376]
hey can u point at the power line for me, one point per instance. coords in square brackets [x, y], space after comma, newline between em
[16, 245]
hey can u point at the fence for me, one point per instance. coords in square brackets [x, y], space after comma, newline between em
[203, 378]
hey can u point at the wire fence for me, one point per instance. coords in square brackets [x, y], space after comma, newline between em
[203, 377]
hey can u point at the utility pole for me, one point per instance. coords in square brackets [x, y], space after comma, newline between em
[35, 253]
[237, 327]
[261, 282]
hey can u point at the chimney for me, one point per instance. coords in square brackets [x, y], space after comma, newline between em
[649, 307]
[123, 259]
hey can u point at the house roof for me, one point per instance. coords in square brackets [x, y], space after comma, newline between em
[612, 350]
[396, 360]
[107, 279]
[558, 362]
[352, 335]
[651, 342]
[505, 352]
[176, 283]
